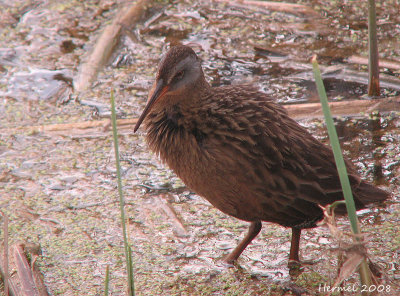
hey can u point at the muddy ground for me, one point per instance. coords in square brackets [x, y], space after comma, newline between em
[58, 187]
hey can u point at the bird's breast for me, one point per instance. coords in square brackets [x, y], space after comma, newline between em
[179, 145]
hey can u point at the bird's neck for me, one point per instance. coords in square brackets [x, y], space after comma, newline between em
[181, 108]
[172, 129]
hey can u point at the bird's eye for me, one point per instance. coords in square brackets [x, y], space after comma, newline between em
[179, 75]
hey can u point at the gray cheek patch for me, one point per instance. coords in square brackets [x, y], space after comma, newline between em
[192, 71]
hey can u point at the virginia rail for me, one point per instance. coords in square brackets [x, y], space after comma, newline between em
[236, 147]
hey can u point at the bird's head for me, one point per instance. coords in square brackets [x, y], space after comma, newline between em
[178, 73]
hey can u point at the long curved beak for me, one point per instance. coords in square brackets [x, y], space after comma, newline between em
[156, 93]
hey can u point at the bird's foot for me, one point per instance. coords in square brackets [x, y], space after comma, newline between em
[295, 268]
[229, 261]
[294, 263]
[231, 264]
[298, 263]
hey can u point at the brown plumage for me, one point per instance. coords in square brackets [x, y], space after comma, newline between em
[236, 147]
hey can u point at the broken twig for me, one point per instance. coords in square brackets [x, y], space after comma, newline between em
[105, 45]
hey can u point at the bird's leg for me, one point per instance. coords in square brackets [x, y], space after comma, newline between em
[295, 245]
[254, 230]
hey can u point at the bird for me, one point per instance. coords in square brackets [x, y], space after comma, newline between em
[237, 147]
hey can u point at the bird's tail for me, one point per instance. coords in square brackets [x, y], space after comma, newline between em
[366, 193]
[363, 194]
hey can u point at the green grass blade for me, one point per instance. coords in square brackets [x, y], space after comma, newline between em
[341, 167]
[107, 281]
[130, 266]
[373, 57]
[337, 152]
[128, 257]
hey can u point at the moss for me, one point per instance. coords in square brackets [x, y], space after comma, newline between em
[311, 280]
